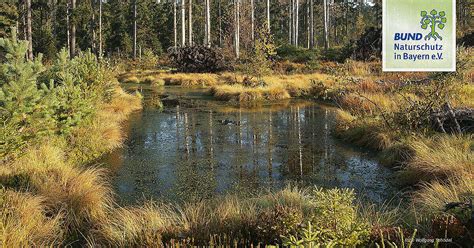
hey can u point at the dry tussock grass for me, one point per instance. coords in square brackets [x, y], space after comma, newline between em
[25, 222]
[442, 157]
[431, 199]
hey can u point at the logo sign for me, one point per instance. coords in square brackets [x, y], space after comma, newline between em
[419, 35]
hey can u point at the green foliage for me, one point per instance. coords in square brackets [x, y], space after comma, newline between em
[402, 242]
[44, 42]
[8, 16]
[23, 112]
[334, 222]
[438, 93]
[148, 60]
[259, 61]
[337, 54]
[295, 54]
[277, 222]
[35, 102]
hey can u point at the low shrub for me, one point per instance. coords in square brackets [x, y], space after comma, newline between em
[334, 222]
[336, 54]
[295, 54]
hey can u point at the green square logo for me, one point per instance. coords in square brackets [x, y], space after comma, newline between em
[419, 35]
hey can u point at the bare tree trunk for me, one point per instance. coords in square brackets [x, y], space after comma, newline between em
[296, 22]
[100, 28]
[311, 24]
[220, 23]
[290, 23]
[268, 15]
[252, 17]
[23, 19]
[134, 29]
[237, 28]
[205, 23]
[345, 19]
[72, 46]
[93, 25]
[183, 23]
[190, 23]
[308, 35]
[29, 29]
[293, 22]
[175, 24]
[68, 28]
[326, 37]
[207, 35]
[54, 6]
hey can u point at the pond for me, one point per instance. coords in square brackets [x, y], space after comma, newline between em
[197, 148]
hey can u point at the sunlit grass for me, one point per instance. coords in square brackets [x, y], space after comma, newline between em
[432, 198]
[65, 199]
[25, 223]
[364, 132]
[138, 226]
[443, 156]
[240, 93]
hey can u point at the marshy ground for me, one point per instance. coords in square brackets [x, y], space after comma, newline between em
[221, 158]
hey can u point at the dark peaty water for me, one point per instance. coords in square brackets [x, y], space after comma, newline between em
[203, 148]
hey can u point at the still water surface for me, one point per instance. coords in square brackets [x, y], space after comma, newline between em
[202, 148]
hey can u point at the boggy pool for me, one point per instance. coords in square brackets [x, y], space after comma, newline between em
[197, 148]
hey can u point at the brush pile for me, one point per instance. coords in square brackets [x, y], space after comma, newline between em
[369, 46]
[450, 120]
[197, 59]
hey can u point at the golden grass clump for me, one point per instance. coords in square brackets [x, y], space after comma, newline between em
[464, 96]
[84, 195]
[442, 157]
[291, 197]
[138, 226]
[153, 81]
[240, 93]
[230, 78]
[358, 68]
[130, 80]
[121, 105]
[367, 103]
[368, 85]
[365, 133]
[433, 196]
[25, 222]
[190, 79]
[231, 214]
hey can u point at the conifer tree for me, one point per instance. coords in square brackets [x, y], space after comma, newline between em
[21, 110]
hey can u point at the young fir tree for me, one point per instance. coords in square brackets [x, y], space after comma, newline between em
[23, 113]
[259, 61]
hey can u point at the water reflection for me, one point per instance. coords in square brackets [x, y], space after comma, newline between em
[189, 153]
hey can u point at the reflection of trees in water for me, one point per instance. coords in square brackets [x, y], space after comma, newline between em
[195, 176]
[192, 155]
[310, 151]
